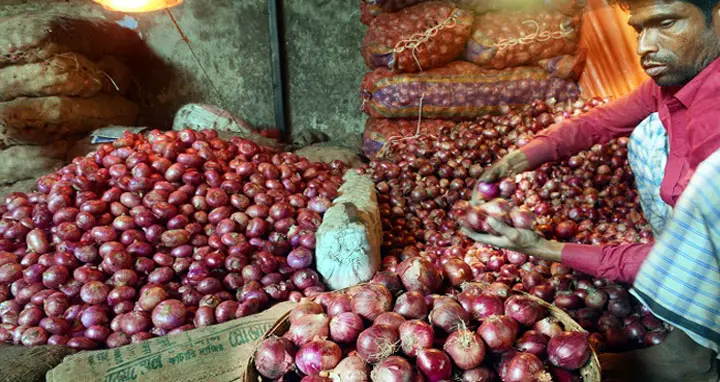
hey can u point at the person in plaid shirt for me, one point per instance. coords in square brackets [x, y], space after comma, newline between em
[673, 122]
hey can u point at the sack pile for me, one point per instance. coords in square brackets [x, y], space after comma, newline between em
[60, 78]
[435, 61]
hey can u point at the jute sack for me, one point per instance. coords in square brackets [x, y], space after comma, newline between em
[217, 353]
[32, 38]
[31, 162]
[66, 74]
[29, 364]
[116, 77]
[46, 119]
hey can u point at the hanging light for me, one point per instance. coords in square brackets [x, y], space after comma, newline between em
[137, 6]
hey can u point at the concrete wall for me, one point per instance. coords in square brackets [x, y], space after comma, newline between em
[230, 39]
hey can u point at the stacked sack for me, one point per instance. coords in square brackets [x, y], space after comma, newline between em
[60, 78]
[439, 61]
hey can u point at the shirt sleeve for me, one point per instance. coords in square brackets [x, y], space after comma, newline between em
[600, 125]
[617, 262]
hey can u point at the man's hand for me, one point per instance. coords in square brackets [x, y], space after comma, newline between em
[518, 240]
[510, 165]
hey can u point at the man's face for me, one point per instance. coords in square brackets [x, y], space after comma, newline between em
[675, 41]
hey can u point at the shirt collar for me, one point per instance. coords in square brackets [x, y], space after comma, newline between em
[686, 94]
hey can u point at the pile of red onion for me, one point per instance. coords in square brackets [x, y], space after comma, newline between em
[425, 184]
[156, 235]
[368, 333]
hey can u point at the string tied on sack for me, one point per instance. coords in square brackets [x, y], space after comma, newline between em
[415, 41]
[537, 35]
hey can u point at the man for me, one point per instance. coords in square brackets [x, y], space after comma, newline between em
[674, 126]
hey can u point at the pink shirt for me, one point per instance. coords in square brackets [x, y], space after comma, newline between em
[690, 114]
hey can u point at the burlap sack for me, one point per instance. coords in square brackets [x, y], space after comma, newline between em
[29, 364]
[116, 77]
[31, 162]
[66, 74]
[328, 152]
[507, 39]
[47, 119]
[379, 131]
[32, 38]
[27, 186]
[460, 90]
[217, 353]
[420, 37]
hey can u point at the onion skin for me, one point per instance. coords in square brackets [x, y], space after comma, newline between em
[275, 357]
[418, 274]
[372, 300]
[376, 343]
[346, 327]
[498, 332]
[392, 369]
[465, 348]
[569, 350]
[411, 305]
[352, 368]
[415, 335]
[449, 316]
[309, 327]
[524, 310]
[524, 367]
[434, 364]
[317, 356]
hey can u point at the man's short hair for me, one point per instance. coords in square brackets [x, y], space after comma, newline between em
[706, 6]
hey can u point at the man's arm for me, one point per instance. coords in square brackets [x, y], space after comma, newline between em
[600, 125]
[617, 262]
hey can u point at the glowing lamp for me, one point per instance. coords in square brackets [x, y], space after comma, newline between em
[137, 6]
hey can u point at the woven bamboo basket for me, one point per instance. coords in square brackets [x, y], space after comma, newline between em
[591, 372]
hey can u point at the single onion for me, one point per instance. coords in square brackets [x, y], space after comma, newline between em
[532, 342]
[317, 356]
[569, 350]
[481, 374]
[274, 357]
[411, 305]
[303, 309]
[346, 327]
[548, 326]
[434, 364]
[418, 274]
[498, 332]
[449, 316]
[525, 367]
[465, 348]
[392, 369]
[307, 328]
[352, 368]
[524, 310]
[371, 300]
[415, 335]
[377, 342]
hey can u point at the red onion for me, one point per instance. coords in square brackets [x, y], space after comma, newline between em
[415, 335]
[391, 319]
[524, 310]
[525, 367]
[274, 357]
[484, 305]
[487, 191]
[340, 303]
[377, 342]
[481, 374]
[548, 326]
[465, 348]
[434, 364]
[620, 307]
[498, 332]
[305, 308]
[411, 305]
[352, 368]
[390, 280]
[532, 342]
[307, 328]
[392, 369]
[346, 327]
[169, 314]
[569, 350]
[449, 316]
[418, 274]
[317, 356]
[371, 300]
[655, 337]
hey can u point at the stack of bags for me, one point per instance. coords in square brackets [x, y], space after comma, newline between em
[60, 78]
[440, 61]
